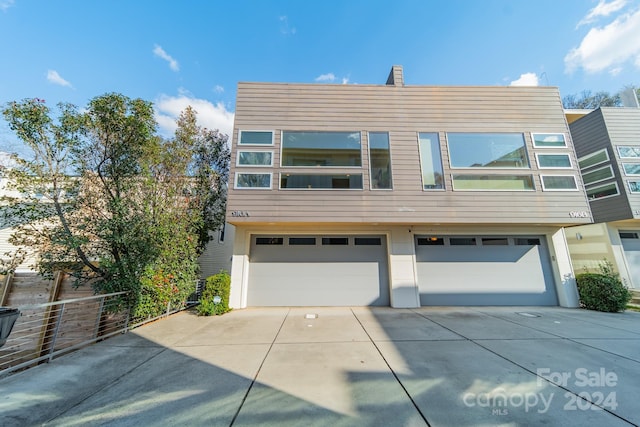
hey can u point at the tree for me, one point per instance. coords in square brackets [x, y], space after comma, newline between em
[113, 203]
[587, 100]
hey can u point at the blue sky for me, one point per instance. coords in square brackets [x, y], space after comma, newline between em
[194, 52]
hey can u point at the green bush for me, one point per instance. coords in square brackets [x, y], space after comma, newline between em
[216, 285]
[603, 291]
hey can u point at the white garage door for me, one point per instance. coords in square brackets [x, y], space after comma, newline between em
[484, 270]
[318, 271]
[631, 244]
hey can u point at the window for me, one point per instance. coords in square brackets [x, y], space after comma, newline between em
[629, 152]
[462, 241]
[430, 161]
[607, 190]
[252, 137]
[302, 241]
[631, 168]
[527, 241]
[311, 149]
[555, 161]
[558, 182]
[253, 180]
[495, 241]
[430, 241]
[254, 158]
[367, 241]
[548, 140]
[634, 186]
[269, 240]
[493, 182]
[487, 150]
[342, 241]
[379, 160]
[593, 159]
[597, 175]
[628, 235]
[320, 182]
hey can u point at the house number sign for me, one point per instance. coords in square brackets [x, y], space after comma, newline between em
[239, 213]
[579, 214]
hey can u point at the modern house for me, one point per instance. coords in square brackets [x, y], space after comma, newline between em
[607, 142]
[402, 196]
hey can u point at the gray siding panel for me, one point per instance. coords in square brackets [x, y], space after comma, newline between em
[403, 112]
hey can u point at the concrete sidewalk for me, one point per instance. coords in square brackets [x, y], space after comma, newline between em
[463, 366]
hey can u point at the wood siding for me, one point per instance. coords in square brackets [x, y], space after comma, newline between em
[608, 128]
[403, 112]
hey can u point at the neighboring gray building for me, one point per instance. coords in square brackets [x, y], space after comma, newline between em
[607, 142]
[355, 195]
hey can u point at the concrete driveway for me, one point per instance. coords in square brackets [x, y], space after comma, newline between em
[466, 366]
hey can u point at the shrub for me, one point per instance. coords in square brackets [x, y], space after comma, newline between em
[603, 291]
[216, 285]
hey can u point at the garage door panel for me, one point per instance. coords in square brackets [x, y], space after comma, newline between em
[485, 275]
[318, 275]
[631, 245]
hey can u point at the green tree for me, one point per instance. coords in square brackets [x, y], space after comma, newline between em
[110, 201]
[588, 100]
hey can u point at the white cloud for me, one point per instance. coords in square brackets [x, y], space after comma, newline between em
[210, 116]
[526, 79]
[56, 79]
[345, 80]
[329, 77]
[159, 52]
[608, 47]
[285, 28]
[6, 4]
[603, 9]
[218, 89]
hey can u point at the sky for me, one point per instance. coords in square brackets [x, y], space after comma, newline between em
[195, 52]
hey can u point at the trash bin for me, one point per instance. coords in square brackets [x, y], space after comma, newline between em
[8, 318]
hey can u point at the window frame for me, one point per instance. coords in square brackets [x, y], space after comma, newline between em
[282, 147]
[553, 147]
[625, 169]
[319, 189]
[238, 164]
[544, 188]
[601, 186]
[533, 189]
[635, 147]
[613, 175]
[631, 189]
[444, 186]
[240, 144]
[237, 174]
[595, 153]
[571, 166]
[370, 162]
[489, 168]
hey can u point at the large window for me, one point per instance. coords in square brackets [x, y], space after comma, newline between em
[321, 182]
[559, 183]
[554, 161]
[548, 140]
[493, 182]
[311, 149]
[252, 137]
[632, 169]
[603, 191]
[431, 161]
[487, 150]
[634, 186]
[597, 175]
[629, 152]
[250, 180]
[593, 159]
[379, 160]
[254, 158]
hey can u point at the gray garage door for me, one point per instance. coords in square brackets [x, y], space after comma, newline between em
[484, 270]
[631, 244]
[318, 271]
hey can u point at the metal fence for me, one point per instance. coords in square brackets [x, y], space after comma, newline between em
[45, 331]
